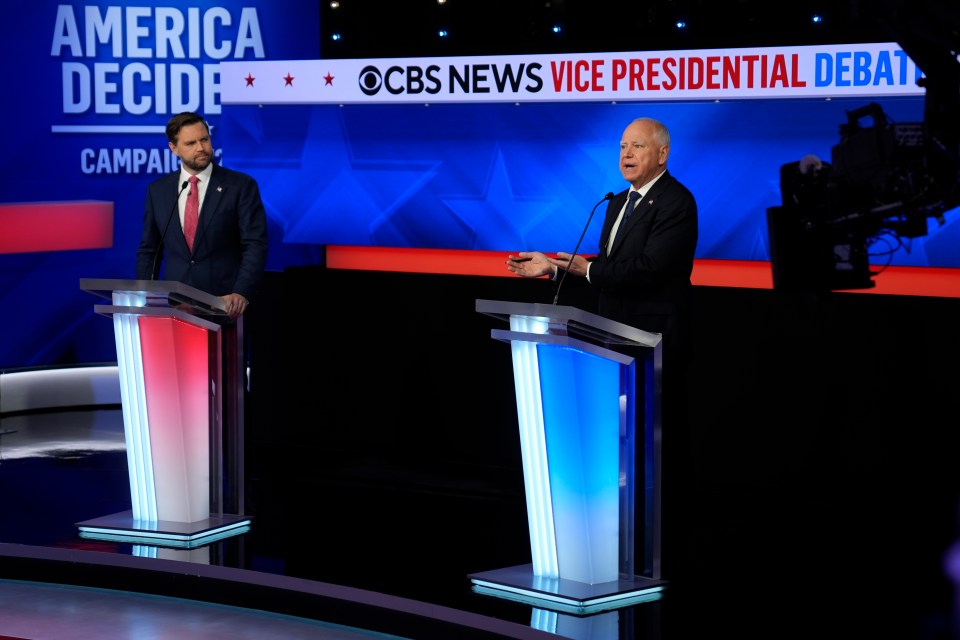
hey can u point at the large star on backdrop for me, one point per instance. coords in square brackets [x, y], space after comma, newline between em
[498, 217]
[313, 184]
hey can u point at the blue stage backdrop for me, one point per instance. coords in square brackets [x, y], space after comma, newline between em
[97, 82]
[506, 177]
[90, 86]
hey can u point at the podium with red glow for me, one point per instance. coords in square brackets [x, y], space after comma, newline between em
[583, 383]
[179, 358]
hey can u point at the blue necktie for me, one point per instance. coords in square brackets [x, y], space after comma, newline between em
[631, 203]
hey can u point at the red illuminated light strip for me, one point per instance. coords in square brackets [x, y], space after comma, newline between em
[55, 226]
[749, 274]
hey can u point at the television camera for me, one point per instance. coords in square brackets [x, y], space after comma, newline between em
[840, 219]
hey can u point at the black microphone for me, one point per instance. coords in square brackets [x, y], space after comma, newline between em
[156, 256]
[563, 277]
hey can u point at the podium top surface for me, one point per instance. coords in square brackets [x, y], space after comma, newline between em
[571, 321]
[159, 293]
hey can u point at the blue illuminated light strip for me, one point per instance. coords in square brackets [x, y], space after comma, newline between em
[126, 367]
[181, 541]
[145, 551]
[151, 510]
[569, 604]
[544, 620]
[106, 129]
[526, 368]
[135, 424]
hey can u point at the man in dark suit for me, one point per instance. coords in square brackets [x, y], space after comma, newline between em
[641, 274]
[229, 253]
[222, 211]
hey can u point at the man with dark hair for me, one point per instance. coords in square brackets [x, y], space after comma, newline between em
[228, 253]
[218, 245]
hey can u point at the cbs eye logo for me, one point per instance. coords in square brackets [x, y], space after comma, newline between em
[370, 80]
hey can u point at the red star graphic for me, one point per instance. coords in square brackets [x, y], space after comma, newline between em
[289, 80]
[328, 78]
[249, 79]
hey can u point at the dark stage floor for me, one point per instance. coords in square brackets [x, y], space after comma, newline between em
[769, 561]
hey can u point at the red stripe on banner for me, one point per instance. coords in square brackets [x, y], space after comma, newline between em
[456, 262]
[55, 226]
[748, 274]
[918, 281]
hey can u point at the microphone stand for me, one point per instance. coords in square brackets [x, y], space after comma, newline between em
[156, 256]
[563, 277]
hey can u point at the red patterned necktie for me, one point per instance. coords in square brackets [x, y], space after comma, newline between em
[191, 212]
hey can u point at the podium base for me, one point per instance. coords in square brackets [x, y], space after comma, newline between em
[122, 527]
[567, 596]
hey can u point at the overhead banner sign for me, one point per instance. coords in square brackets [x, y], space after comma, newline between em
[855, 70]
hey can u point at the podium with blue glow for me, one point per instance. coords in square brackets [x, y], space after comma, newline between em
[583, 383]
[179, 358]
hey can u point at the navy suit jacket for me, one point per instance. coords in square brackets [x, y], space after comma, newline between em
[645, 281]
[230, 248]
